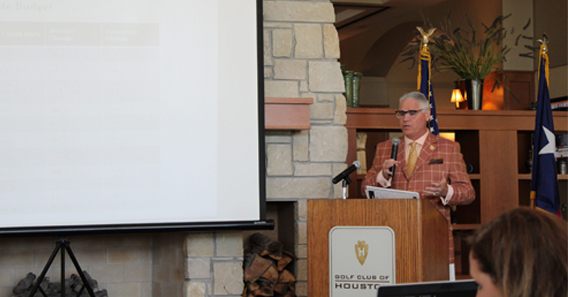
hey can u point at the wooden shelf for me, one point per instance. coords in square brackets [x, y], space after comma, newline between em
[456, 119]
[287, 113]
[463, 277]
[495, 142]
[465, 227]
[528, 176]
[474, 176]
[480, 133]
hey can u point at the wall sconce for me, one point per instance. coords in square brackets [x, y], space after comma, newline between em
[457, 97]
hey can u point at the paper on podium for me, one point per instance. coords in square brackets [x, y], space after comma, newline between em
[386, 193]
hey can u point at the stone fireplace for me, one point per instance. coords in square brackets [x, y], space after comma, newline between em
[301, 52]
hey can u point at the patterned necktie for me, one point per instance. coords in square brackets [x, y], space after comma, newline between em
[411, 158]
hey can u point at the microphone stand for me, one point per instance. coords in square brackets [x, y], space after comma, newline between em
[346, 181]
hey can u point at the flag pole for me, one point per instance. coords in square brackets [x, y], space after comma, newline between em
[424, 83]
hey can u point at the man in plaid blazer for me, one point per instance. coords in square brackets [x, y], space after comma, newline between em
[439, 173]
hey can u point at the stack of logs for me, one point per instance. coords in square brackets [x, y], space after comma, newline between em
[264, 269]
[73, 287]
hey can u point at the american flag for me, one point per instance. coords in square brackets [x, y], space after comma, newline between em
[425, 87]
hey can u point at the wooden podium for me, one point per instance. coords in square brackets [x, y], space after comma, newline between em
[421, 236]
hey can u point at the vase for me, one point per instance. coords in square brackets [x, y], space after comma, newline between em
[474, 93]
[348, 78]
[356, 88]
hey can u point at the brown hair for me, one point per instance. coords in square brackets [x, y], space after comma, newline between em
[524, 251]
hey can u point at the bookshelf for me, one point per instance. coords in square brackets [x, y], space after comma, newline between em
[495, 142]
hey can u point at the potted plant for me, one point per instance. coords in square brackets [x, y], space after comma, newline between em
[470, 56]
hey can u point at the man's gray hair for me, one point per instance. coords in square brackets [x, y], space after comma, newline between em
[424, 103]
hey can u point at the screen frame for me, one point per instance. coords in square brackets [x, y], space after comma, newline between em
[261, 224]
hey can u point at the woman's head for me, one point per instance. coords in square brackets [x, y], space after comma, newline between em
[523, 252]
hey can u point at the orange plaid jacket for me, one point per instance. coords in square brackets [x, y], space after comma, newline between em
[439, 158]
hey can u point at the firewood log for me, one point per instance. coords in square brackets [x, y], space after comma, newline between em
[271, 274]
[281, 289]
[286, 277]
[24, 283]
[248, 259]
[283, 262]
[265, 289]
[257, 268]
[253, 286]
[265, 242]
[259, 250]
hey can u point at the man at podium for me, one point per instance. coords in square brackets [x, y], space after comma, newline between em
[423, 163]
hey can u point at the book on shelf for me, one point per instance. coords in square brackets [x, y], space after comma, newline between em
[560, 103]
[562, 152]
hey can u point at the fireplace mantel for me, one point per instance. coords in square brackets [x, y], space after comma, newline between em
[287, 113]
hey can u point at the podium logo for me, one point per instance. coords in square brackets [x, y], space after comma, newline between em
[361, 251]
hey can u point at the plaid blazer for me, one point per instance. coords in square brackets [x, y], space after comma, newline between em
[439, 158]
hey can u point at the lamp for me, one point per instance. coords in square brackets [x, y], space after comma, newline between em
[457, 97]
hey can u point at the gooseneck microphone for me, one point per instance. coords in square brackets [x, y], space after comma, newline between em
[356, 165]
[394, 152]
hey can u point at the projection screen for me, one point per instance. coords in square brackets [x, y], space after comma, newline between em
[130, 113]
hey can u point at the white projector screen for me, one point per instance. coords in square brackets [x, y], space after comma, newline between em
[130, 112]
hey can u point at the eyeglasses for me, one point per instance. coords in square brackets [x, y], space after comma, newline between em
[411, 113]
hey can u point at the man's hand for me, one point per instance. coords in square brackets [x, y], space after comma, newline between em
[439, 189]
[387, 166]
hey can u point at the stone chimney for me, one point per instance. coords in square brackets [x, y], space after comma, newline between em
[301, 52]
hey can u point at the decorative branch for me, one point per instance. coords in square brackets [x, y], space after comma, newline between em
[463, 51]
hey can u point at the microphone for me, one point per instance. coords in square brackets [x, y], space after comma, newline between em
[346, 172]
[394, 152]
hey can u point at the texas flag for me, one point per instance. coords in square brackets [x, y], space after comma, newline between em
[544, 183]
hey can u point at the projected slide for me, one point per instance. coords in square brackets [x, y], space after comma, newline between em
[128, 112]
